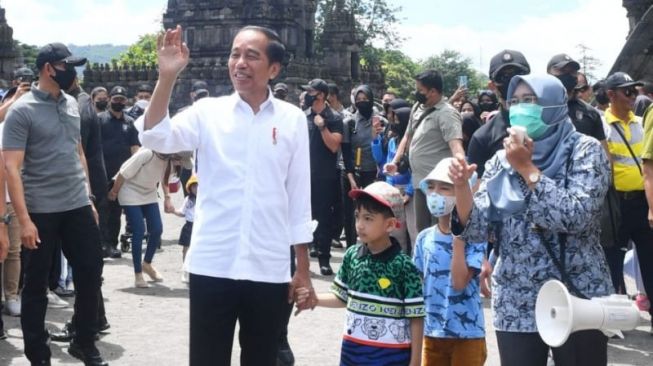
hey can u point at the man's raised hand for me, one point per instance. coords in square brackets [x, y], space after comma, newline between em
[172, 52]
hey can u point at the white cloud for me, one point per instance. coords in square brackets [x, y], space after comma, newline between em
[81, 22]
[599, 24]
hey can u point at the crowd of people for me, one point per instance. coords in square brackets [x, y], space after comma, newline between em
[441, 200]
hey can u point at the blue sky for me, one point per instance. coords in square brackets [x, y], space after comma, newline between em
[476, 28]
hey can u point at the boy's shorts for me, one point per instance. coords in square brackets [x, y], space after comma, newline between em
[356, 354]
[453, 351]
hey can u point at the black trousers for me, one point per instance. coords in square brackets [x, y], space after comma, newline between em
[216, 304]
[337, 222]
[634, 226]
[323, 197]
[583, 348]
[110, 213]
[363, 179]
[79, 236]
[283, 337]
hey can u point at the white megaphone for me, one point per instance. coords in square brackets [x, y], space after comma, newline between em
[558, 314]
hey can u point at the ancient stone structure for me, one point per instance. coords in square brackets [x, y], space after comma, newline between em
[9, 55]
[636, 58]
[210, 25]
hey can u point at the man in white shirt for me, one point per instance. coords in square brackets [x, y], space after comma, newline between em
[254, 201]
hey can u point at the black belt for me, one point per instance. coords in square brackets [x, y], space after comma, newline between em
[631, 195]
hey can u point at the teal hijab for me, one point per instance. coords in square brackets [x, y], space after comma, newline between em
[550, 152]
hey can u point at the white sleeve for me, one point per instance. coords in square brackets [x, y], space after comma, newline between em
[172, 135]
[298, 186]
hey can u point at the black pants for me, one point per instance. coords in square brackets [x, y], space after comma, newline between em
[110, 214]
[423, 217]
[634, 226]
[583, 348]
[80, 239]
[283, 337]
[363, 179]
[216, 304]
[323, 198]
[184, 176]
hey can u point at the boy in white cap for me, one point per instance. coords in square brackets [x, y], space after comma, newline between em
[454, 331]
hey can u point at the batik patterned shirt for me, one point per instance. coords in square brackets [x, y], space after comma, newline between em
[383, 291]
[524, 264]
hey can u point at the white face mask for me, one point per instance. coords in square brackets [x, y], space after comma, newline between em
[440, 205]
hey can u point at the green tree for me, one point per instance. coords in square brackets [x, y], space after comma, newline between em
[376, 22]
[399, 70]
[28, 52]
[141, 52]
[453, 64]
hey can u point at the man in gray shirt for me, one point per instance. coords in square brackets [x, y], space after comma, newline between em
[48, 186]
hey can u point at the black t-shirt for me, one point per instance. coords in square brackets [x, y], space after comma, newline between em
[92, 145]
[586, 119]
[323, 161]
[118, 136]
[488, 139]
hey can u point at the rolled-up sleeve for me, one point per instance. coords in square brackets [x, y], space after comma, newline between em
[298, 186]
[172, 135]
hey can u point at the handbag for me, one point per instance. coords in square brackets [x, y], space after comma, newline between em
[403, 165]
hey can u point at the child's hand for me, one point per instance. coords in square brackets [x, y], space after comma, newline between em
[460, 171]
[301, 297]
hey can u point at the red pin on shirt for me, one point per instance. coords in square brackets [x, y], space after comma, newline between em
[274, 135]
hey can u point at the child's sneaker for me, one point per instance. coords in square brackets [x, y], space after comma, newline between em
[642, 302]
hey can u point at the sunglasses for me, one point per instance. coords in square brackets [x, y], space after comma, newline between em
[629, 92]
[583, 88]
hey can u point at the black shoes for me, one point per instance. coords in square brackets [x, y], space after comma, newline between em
[336, 244]
[313, 252]
[285, 357]
[325, 267]
[89, 355]
[111, 252]
[67, 334]
[3, 334]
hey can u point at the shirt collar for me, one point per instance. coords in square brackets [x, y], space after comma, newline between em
[270, 101]
[45, 96]
[611, 118]
[384, 256]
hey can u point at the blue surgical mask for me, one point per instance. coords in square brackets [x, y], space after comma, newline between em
[440, 205]
[529, 116]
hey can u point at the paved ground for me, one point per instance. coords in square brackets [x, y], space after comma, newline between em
[150, 326]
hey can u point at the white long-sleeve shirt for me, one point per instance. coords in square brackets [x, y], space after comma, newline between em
[255, 198]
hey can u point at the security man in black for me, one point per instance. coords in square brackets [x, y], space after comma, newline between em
[488, 139]
[584, 117]
[119, 142]
[325, 129]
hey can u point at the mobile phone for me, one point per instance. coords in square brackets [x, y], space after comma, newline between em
[519, 134]
[462, 81]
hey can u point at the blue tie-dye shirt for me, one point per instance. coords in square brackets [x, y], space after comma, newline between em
[449, 313]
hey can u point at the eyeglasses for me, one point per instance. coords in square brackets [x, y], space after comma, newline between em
[529, 99]
[583, 88]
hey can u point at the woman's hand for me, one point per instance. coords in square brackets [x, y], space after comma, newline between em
[520, 156]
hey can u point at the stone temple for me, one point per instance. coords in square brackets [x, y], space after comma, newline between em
[636, 58]
[9, 56]
[210, 25]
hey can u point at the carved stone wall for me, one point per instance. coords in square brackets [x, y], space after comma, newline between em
[9, 55]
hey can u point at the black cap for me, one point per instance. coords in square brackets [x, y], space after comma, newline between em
[118, 90]
[145, 88]
[280, 86]
[200, 88]
[508, 58]
[317, 84]
[57, 52]
[620, 80]
[560, 61]
[23, 72]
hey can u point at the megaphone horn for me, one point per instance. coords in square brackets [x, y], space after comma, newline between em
[558, 314]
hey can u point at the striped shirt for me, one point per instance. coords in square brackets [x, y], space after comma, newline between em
[627, 176]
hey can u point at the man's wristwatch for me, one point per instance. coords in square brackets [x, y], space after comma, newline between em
[6, 219]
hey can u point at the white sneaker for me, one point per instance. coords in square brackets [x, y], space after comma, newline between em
[55, 302]
[12, 307]
[184, 277]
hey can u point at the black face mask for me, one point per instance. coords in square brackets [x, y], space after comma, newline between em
[309, 100]
[488, 107]
[101, 105]
[419, 97]
[365, 108]
[117, 107]
[65, 78]
[569, 81]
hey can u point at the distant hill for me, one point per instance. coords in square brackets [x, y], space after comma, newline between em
[100, 53]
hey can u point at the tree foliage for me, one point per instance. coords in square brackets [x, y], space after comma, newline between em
[141, 52]
[28, 52]
[399, 70]
[453, 64]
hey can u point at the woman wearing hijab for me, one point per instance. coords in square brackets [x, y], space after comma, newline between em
[542, 198]
[471, 115]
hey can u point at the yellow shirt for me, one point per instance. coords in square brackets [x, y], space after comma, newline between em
[647, 153]
[627, 176]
